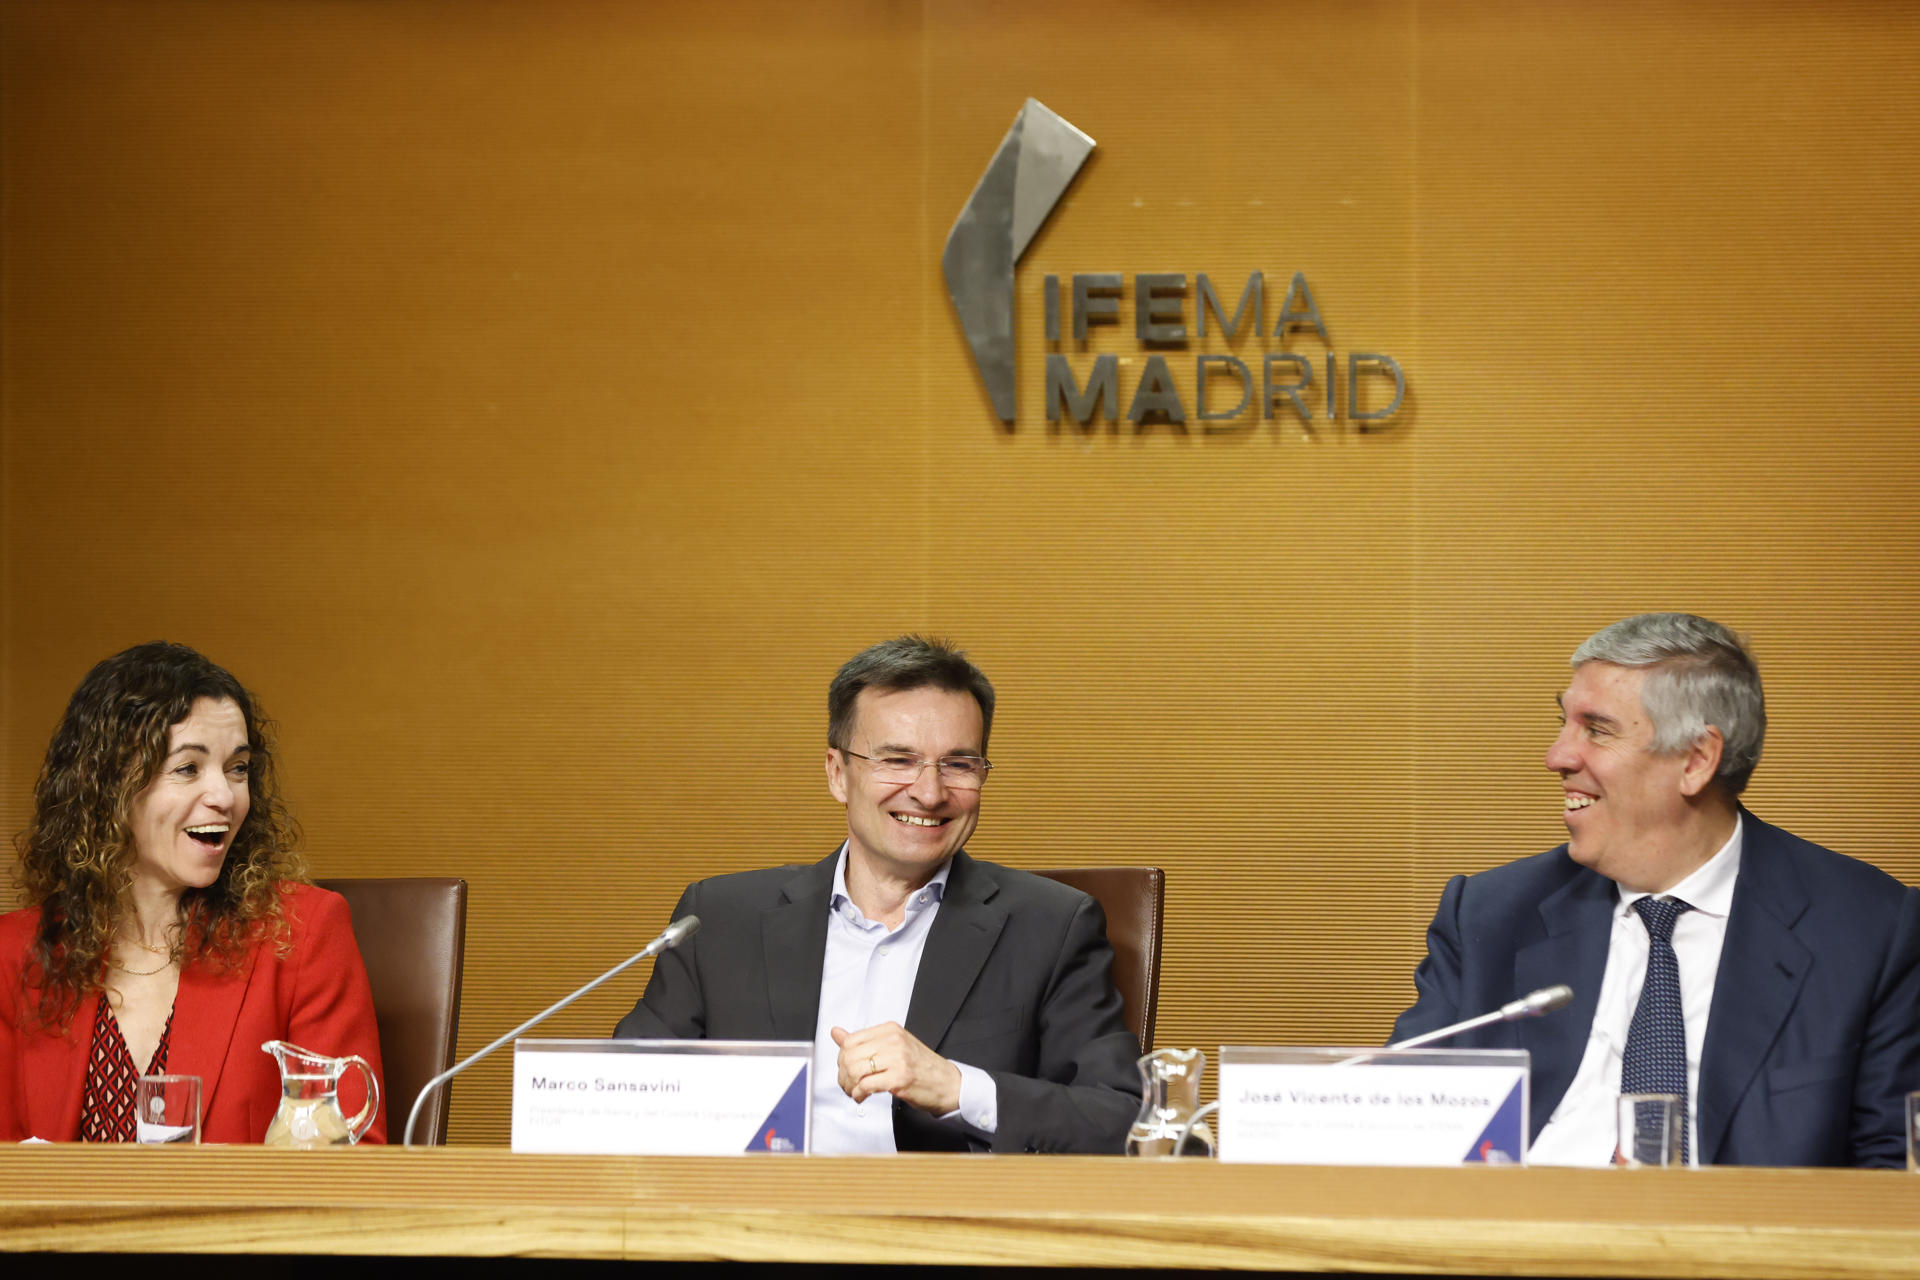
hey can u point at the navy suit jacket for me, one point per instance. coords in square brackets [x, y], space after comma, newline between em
[1813, 1036]
[1016, 979]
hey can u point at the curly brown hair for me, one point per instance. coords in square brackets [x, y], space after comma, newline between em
[77, 858]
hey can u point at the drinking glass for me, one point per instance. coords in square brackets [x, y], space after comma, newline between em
[167, 1109]
[1913, 1133]
[1651, 1125]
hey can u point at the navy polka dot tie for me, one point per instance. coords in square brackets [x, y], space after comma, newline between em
[1655, 1060]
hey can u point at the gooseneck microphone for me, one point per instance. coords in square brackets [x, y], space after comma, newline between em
[670, 937]
[1531, 1005]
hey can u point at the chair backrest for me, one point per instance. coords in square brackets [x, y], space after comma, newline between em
[413, 935]
[1134, 899]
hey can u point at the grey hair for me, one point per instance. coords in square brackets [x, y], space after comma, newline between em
[909, 662]
[1700, 674]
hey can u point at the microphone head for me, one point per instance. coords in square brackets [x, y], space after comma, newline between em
[1547, 999]
[686, 926]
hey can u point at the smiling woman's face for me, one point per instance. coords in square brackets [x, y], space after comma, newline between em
[186, 819]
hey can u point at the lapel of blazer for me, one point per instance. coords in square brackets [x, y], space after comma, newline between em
[958, 944]
[1576, 922]
[793, 947]
[59, 1059]
[1762, 966]
[206, 1014]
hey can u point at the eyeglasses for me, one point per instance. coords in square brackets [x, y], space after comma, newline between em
[962, 773]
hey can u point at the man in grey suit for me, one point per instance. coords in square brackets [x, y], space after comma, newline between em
[1773, 984]
[953, 1004]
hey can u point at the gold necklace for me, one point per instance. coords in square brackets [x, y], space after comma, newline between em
[141, 973]
[152, 950]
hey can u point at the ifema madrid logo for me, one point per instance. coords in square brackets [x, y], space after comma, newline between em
[1029, 173]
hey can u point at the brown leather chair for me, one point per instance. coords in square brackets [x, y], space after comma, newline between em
[1134, 899]
[413, 935]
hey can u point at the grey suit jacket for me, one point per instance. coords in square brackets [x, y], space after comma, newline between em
[1016, 979]
[1813, 1037]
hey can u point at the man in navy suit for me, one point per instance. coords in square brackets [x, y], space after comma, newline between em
[953, 1004]
[1798, 970]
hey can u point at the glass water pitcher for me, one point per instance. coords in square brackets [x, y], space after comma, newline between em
[310, 1115]
[1171, 1119]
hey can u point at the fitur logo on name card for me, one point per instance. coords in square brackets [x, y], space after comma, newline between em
[662, 1097]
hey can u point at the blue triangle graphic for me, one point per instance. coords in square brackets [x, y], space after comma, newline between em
[785, 1128]
[1501, 1141]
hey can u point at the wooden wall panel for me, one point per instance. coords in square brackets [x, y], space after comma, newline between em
[536, 402]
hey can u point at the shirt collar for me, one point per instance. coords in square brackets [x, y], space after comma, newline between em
[1710, 888]
[935, 890]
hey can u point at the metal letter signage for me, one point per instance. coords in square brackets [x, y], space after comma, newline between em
[1035, 164]
[1166, 314]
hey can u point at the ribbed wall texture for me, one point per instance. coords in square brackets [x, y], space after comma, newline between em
[536, 402]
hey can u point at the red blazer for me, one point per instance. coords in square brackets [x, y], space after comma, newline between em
[316, 997]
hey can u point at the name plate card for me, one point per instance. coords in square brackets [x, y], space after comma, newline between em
[662, 1097]
[1373, 1106]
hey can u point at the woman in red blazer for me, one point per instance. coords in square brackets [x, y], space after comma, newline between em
[168, 928]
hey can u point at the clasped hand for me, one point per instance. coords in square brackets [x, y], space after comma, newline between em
[887, 1058]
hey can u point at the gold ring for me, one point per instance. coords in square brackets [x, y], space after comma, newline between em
[872, 1064]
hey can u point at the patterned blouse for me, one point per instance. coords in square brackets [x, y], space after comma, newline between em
[106, 1111]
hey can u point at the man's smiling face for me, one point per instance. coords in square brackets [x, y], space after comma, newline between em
[904, 831]
[1624, 803]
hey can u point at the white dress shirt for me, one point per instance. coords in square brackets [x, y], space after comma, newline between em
[1584, 1129]
[868, 978]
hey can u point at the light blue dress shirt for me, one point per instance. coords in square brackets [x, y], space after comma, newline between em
[868, 978]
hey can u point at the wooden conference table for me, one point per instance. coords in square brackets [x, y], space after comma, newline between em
[969, 1210]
